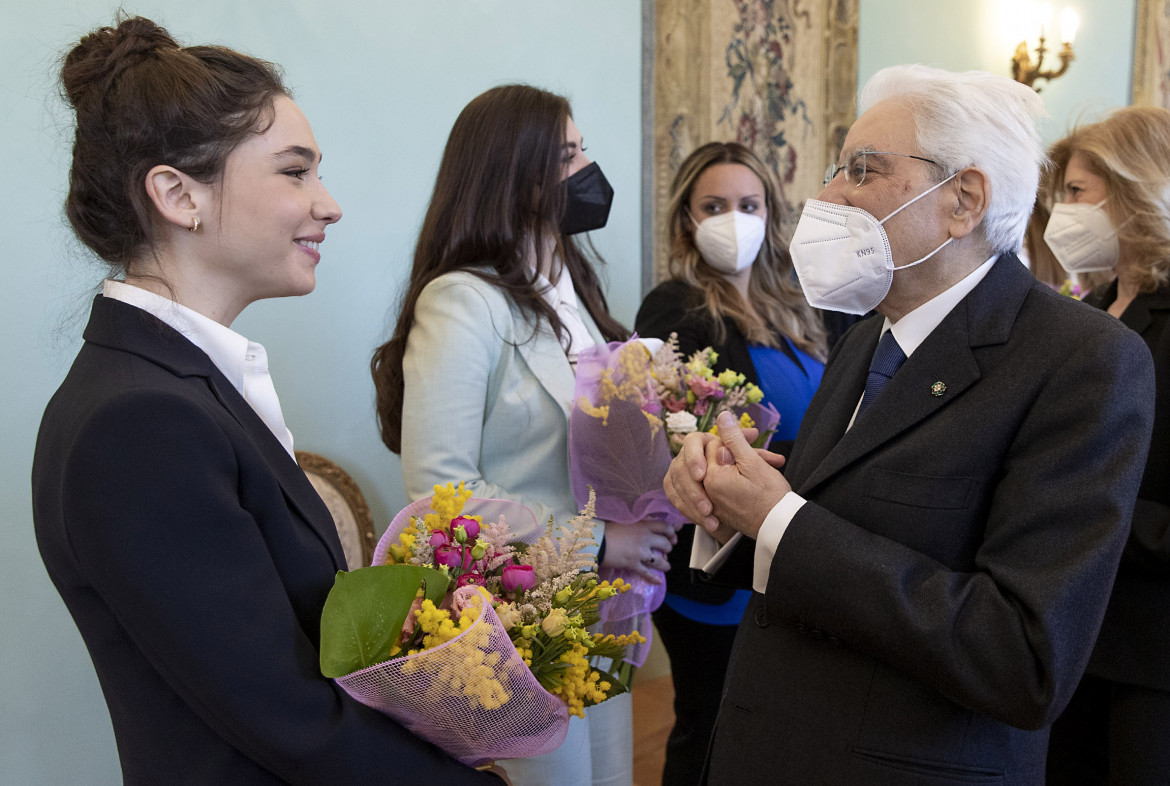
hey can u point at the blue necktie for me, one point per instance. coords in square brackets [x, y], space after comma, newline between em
[887, 358]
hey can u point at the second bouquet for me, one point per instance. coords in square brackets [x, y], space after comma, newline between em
[634, 402]
[469, 638]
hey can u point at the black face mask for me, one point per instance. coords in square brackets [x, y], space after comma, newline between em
[588, 197]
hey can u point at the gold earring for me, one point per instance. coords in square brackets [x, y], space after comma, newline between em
[194, 224]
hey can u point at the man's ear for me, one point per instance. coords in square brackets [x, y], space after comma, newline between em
[972, 195]
[176, 196]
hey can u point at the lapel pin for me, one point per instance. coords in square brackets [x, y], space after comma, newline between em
[938, 388]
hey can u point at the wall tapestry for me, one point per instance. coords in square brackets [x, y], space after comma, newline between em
[1151, 54]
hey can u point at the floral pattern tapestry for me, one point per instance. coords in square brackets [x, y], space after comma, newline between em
[1151, 54]
[779, 76]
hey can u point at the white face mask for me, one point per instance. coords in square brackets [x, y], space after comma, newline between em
[730, 242]
[1082, 237]
[842, 255]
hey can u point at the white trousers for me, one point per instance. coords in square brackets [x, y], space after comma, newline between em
[598, 751]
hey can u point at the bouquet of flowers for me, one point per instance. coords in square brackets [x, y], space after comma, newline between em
[634, 402]
[693, 395]
[470, 639]
[1071, 289]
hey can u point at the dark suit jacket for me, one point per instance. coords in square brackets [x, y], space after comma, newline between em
[931, 608]
[195, 558]
[1134, 644]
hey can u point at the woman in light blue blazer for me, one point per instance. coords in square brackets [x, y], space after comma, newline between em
[477, 382]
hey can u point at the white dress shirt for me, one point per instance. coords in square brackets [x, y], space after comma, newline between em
[563, 300]
[909, 331]
[243, 362]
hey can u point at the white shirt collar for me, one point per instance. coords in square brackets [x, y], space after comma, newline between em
[226, 348]
[563, 299]
[912, 329]
[560, 292]
[243, 362]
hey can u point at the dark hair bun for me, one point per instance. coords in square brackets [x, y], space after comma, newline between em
[99, 58]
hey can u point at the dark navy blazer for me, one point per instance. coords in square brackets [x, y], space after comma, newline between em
[1134, 644]
[195, 558]
[932, 607]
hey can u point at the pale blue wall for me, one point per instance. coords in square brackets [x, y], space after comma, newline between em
[381, 81]
[961, 35]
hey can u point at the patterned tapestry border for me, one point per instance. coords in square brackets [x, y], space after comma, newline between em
[1151, 54]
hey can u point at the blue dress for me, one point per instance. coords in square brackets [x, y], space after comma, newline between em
[788, 382]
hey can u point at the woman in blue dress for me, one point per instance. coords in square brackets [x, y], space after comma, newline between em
[731, 287]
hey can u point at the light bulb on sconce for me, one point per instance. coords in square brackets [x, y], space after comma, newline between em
[1025, 70]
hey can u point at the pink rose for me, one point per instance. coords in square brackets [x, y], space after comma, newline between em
[465, 596]
[469, 579]
[705, 388]
[470, 526]
[518, 578]
[411, 621]
[675, 404]
[439, 538]
[454, 557]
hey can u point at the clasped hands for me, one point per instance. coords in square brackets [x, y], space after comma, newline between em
[724, 484]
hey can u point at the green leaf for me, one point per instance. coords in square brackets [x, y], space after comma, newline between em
[365, 610]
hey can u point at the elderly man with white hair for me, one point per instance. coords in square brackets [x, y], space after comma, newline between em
[932, 564]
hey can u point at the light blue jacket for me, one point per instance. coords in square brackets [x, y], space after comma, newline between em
[487, 400]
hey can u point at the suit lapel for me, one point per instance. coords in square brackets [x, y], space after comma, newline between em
[938, 373]
[124, 327]
[298, 491]
[1139, 315]
[830, 410]
[545, 358]
[590, 325]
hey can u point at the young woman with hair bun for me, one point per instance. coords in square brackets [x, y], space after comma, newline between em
[191, 550]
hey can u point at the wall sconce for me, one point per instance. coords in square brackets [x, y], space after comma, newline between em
[1026, 71]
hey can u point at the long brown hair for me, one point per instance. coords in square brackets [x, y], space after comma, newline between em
[143, 100]
[1128, 150]
[777, 304]
[497, 196]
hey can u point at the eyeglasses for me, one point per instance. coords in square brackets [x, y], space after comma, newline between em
[854, 166]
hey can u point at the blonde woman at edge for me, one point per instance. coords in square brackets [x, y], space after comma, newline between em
[1113, 217]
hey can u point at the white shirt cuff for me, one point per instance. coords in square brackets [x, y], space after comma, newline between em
[768, 538]
[706, 554]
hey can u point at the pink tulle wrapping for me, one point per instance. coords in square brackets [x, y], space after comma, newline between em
[624, 459]
[422, 692]
[764, 416]
[417, 690]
